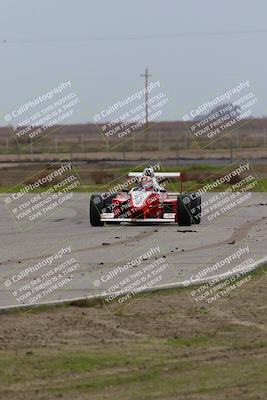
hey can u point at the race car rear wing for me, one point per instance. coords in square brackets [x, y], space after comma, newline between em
[161, 175]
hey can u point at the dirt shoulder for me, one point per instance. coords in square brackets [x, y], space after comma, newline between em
[159, 346]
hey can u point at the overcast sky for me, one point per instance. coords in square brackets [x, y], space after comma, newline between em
[40, 46]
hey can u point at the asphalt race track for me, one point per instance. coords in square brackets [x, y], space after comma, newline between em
[103, 257]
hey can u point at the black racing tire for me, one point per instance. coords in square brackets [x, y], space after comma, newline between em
[183, 210]
[109, 208]
[96, 206]
[196, 208]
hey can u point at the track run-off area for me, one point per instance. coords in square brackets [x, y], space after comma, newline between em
[62, 257]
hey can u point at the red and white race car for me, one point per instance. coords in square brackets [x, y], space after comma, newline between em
[146, 204]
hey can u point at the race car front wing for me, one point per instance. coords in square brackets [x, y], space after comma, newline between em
[109, 217]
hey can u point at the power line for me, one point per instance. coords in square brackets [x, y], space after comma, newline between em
[132, 37]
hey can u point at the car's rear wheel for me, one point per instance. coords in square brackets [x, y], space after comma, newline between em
[96, 206]
[183, 211]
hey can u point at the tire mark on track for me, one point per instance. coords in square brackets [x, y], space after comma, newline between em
[139, 236]
[236, 236]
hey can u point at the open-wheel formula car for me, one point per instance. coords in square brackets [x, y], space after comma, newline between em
[141, 204]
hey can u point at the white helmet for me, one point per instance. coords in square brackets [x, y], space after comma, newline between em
[149, 172]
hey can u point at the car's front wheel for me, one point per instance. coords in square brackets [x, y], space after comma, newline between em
[96, 206]
[183, 210]
[196, 208]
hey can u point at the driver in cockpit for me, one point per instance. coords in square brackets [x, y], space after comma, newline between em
[149, 181]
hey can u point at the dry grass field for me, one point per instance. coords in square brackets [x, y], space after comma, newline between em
[179, 351]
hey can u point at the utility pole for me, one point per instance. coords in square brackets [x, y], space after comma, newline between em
[55, 143]
[71, 154]
[177, 154]
[237, 138]
[186, 140]
[231, 152]
[159, 141]
[82, 143]
[146, 75]
[134, 146]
